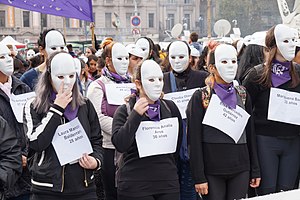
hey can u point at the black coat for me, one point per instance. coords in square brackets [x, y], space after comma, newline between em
[18, 87]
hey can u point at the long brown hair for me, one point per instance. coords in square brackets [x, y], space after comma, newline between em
[265, 78]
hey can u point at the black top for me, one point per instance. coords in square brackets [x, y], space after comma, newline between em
[148, 175]
[189, 79]
[215, 153]
[260, 99]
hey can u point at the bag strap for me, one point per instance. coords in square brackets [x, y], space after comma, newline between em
[173, 82]
[242, 93]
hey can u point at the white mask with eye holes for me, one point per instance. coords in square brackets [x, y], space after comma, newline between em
[63, 71]
[226, 62]
[145, 46]
[6, 61]
[120, 58]
[54, 42]
[179, 56]
[152, 79]
[30, 53]
[286, 41]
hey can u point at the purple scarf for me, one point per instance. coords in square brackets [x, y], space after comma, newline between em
[69, 113]
[154, 111]
[280, 73]
[115, 77]
[227, 94]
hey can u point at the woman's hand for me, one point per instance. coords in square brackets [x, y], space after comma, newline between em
[63, 98]
[202, 188]
[141, 106]
[254, 183]
[88, 162]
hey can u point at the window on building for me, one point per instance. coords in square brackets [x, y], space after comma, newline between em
[26, 19]
[187, 21]
[151, 20]
[108, 20]
[44, 20]
[171, 1]
[128, 19]
[2, 18]
[187, 1]
[67, 22]
[170, 21]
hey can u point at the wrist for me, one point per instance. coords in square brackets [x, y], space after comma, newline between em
[98, 166]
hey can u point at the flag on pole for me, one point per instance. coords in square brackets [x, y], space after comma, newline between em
[78, 9]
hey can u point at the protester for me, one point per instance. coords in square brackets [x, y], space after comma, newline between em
[193, 41]
[71, 52]
[91, 67]
[115, 72]
[183, 79]
[10, 158]
[49, 42]
[135, 57]
[154, 175]
[278, 139]
[90, 51]
[59, 102]
[222, 159]
[195, 56]
[149, 49]
[10, 85]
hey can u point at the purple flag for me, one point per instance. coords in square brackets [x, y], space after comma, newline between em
[78, 9]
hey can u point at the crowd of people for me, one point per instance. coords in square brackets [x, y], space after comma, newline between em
[211, 121]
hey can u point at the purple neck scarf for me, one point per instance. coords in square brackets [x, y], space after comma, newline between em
[115, 77]
[69, 113]
[280, 73]
[154, 111]
[227, 94]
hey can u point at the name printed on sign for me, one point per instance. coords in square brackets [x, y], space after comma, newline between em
[70, 142]
[181, 99]
[230, 121]
[116, 93]
[18, 102]
[284, 106]
[155, 138]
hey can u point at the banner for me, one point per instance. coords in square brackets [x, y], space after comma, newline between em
[78, 9]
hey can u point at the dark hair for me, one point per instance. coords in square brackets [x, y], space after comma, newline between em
[44, 89]
[253, 55]
[90, 58]
[70, 47]
[93, 50]
[265, 78]
[41, 41]
[36, 61]
[194, 37]
[202, 58]
[153, 51]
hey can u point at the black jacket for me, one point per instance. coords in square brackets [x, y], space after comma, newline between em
[48, 176]
[18, 87]
[10, 156]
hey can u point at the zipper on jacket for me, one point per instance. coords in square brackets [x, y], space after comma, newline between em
[62, 179]
[85, 179]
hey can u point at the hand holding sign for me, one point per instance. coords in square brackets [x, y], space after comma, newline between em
[88, 162]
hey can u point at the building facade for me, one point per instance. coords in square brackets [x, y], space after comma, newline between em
[156, 18]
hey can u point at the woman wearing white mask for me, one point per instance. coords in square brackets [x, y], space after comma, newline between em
[184, 80]
[271, 87]
[50, 41]
[58, 173]
[220, 133]
[149, 49]
[10, 85]
[115, 72]
[149, 170]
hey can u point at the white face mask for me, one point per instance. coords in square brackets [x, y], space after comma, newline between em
[226, 62]
[285, 40]
[179, 56]
[30, 54]
[54, 42]
[6, 61]
[77, 66]
[145, 46]
[63, 71]
[152, 79]
[120, 58]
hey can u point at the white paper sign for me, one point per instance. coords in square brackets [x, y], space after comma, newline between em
[284, 106]
[181, 99]
[156, 138]
[17, 103]
[116, 93]
[230, 121]
[70, 142]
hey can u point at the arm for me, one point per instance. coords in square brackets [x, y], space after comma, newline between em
[251, 143]
[10, 156]
[194, 133]
[95, 95]
[124, 128]
[251, 84]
